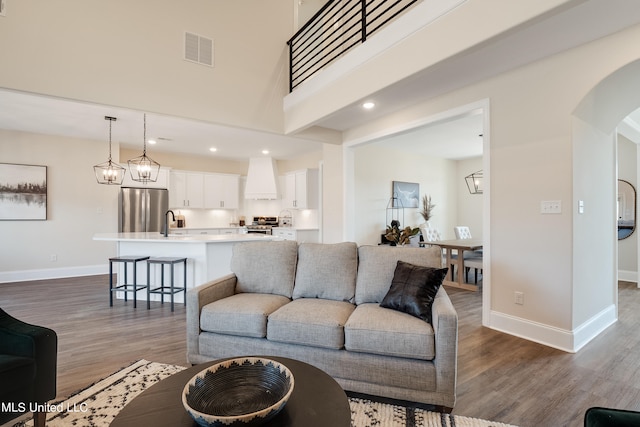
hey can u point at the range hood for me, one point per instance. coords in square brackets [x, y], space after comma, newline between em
[262, 179]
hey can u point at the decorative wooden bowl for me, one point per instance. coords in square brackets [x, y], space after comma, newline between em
[245, 392]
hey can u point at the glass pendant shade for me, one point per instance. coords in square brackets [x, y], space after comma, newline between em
[109, 172]
[474, 182]
[143, 168]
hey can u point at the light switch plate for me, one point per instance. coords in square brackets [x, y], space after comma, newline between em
[551, 207]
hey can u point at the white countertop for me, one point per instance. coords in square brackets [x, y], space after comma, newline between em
[183, 238]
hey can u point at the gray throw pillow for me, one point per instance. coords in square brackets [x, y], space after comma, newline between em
[413, 289]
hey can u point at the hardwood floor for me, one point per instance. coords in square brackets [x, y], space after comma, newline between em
[500, 377]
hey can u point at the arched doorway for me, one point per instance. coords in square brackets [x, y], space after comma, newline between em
[594, 126]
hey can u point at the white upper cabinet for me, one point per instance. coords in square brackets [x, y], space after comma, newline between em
[186, 190]
[301, 189]
[197, 190]
[221, 191]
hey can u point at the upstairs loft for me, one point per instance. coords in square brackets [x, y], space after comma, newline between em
[434, 47]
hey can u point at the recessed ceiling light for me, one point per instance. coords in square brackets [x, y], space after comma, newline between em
[213, 149]
[151, 141]
[368, 105]
[265, 151]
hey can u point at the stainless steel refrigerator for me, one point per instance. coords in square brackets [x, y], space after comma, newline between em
[142, 209]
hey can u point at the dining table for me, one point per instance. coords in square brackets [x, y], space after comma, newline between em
[460, 246]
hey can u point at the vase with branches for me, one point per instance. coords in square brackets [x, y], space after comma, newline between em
[427, 208]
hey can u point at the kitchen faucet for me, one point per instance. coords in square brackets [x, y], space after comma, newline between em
[166, 221]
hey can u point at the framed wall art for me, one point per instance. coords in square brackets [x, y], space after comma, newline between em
[23, 192]
[407, 193]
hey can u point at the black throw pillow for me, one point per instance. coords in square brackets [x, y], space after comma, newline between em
[413, 289]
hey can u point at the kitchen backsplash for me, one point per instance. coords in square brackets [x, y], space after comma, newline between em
[212, 218]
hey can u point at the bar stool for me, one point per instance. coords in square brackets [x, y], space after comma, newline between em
[163, 289]
[126, 287]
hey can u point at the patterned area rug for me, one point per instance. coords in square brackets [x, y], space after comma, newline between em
[98, 404]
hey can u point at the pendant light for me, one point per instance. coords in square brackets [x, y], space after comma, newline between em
[474, 182]
[142, 168]
[109, 173]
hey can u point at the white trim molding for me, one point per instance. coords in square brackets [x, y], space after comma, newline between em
[628, 276]
[52, 273]
[562, 339]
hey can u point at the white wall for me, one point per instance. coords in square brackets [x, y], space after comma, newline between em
[77, 208]
[375, 169]
[470, 206]
[130, 54]
[333, 191]
[539, 152]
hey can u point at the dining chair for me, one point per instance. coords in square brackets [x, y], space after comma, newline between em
[432, 235]
[472, 259]
[462, 232]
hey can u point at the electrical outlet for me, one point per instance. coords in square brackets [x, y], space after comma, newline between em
[53, 258]
[551, 207]
[519, 298]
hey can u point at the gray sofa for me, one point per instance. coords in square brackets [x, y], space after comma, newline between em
[320, 303]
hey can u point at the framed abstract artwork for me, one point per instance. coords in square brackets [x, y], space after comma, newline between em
[407, 193]
[23, 192]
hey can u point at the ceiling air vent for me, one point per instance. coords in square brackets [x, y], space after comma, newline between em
[198, 49]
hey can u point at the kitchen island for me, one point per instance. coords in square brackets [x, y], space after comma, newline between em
[208, 255]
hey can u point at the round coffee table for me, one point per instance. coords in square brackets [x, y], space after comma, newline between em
[317, 401]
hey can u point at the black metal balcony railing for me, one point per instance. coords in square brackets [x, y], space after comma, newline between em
[336, 28]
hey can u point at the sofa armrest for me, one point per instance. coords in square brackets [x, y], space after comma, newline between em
[197, 298]
[445, 326]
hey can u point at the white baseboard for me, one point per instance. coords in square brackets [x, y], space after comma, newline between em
[52, 273]
[628, 276]
[562, 339]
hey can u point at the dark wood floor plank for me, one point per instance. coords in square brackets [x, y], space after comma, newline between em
[500, 377]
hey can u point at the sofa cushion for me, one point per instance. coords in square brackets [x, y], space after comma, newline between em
[241, 314]
[326, 271]
[265, 267]
[413, 289]
[377, 264]
[379, 330]
[310, 321]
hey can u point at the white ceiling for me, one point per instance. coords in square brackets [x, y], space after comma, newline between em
[47, 115]
[456, 139]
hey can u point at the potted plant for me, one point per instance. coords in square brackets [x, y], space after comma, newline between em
[398, 236]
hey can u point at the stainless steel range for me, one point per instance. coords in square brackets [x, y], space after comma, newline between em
[262, 224]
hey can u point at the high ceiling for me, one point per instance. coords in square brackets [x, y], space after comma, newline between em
[54, 116]
[455, 139]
